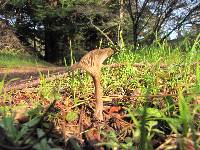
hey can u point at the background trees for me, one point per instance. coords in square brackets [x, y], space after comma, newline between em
[151, 18]
[49, 26]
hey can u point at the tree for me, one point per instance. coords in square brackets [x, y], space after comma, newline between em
[53, 24]
[49, 26]
[150, 18]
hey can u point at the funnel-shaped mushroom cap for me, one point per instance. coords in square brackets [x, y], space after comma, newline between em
[93, 60]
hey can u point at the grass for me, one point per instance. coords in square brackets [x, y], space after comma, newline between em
[11, 59]
[164, 114]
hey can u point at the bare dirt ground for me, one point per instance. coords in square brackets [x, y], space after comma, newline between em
[18, 76]
[28, 72]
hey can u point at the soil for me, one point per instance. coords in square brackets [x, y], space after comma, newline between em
[19, 76]
[29, 72]
[85, 130]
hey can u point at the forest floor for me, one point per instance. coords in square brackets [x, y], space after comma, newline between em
[70, 124]
[150, 102]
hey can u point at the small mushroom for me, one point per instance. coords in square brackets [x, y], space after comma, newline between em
[92, 63]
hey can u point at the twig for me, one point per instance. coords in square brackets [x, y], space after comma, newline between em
[98, 29]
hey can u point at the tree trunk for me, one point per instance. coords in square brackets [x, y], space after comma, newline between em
[121, 18]
[51, 44]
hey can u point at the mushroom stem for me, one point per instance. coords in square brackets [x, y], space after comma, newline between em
[92, 63]
[98, 96]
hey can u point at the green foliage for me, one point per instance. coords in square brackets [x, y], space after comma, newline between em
[8, 124]
[71, 116]
[18, 3]
[44, 144]
[11, 59]
[28, 133]
[152, 79]
[165, 106]
[185, 115]
[71, 3]
[52, 25]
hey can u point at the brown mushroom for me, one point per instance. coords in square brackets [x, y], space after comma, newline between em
[92, 63]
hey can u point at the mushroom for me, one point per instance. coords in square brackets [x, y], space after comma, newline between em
[92, 63]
